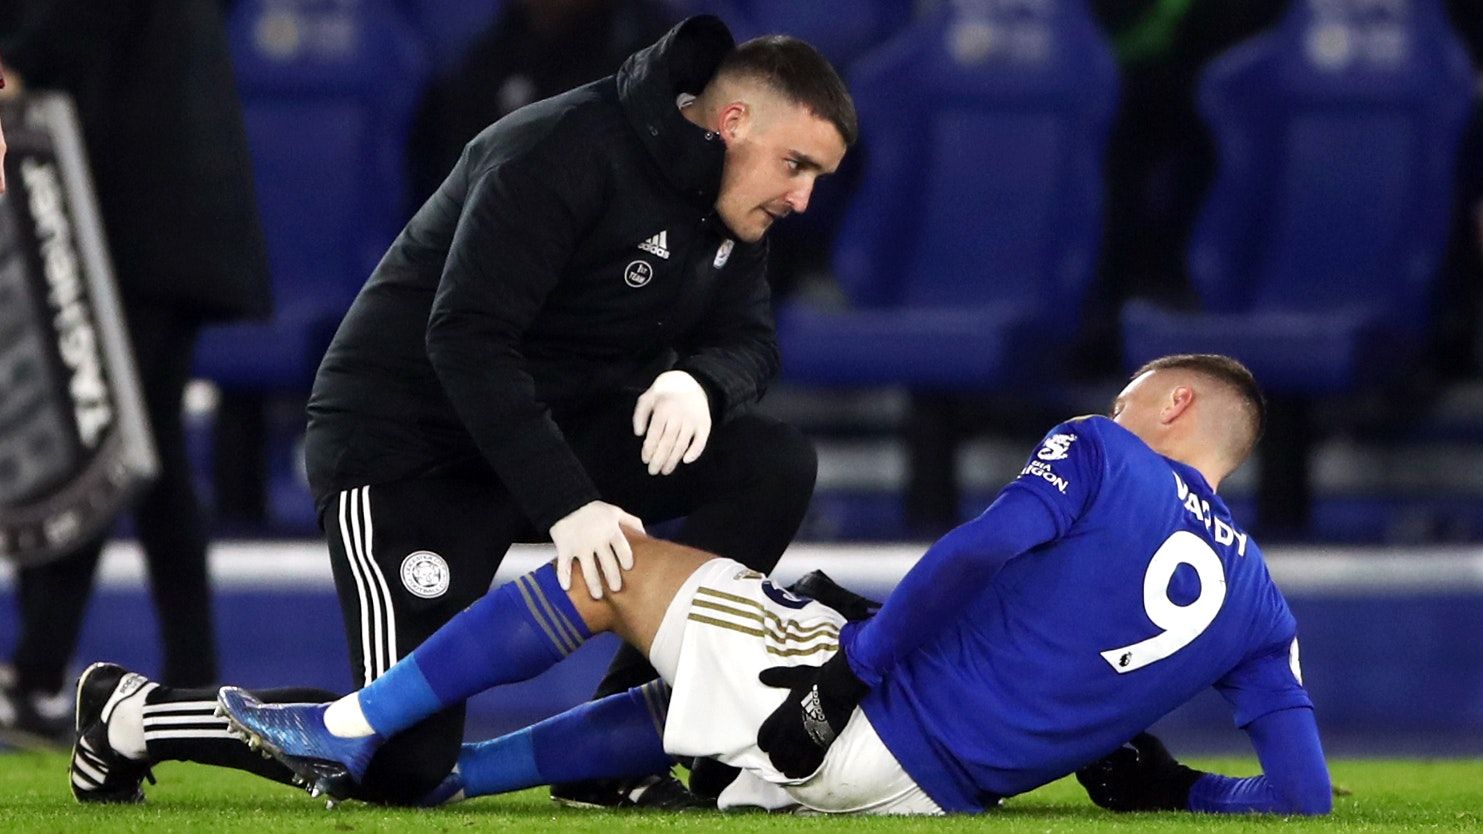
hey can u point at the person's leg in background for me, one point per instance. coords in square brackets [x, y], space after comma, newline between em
[53, 597]
[168, 519]
[153, 723]
[36, 708]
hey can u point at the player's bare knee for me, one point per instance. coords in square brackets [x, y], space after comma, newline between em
[597, 614]
[635, 610]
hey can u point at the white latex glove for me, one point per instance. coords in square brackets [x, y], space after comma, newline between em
[591, 535]
[676, 413]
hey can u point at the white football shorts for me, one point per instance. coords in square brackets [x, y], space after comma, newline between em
[724, 627]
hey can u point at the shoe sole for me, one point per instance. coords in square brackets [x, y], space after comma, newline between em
[309, 774]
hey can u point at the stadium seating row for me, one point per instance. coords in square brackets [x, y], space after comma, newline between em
[969, 251]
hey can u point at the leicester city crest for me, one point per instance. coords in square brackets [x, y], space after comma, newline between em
[425, 574]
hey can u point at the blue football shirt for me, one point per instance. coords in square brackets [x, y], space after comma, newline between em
[1146, 593]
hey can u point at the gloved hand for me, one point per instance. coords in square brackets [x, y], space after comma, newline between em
[817, 585]
[820, 700]
[1139, 776]
[592, 535]
[676, 414]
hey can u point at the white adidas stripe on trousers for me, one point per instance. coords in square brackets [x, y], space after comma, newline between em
[377, 617]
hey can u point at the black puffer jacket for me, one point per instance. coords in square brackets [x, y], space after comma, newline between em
[573, 254]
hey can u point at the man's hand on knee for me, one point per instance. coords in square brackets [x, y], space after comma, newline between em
[820, 700]
[593, 536]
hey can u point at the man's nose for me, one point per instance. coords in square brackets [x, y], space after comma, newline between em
[797, 199]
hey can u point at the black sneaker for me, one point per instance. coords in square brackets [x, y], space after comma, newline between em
[664, 793]
[98, 772]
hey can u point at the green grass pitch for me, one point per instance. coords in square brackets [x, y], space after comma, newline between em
[1382, 795]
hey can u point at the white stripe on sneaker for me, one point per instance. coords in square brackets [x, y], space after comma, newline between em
[87, 770]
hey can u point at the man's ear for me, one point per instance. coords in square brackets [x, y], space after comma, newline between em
[733, 120]
[1180, 398]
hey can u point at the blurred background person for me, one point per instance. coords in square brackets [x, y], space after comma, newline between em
[153, 85]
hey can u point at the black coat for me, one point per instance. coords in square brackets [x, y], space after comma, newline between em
[572, 255]
[152, 80]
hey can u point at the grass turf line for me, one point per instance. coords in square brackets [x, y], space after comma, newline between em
[1386, 795]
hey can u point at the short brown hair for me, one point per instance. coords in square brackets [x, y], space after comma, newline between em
[798, 73]
[1230, 373]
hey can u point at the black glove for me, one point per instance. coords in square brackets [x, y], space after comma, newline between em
[1139, 776]
[817, 585]
[820, 699]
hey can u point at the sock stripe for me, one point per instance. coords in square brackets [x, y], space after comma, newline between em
[531, 592]
[184, 721]
[158, 735]
[536, 607]
[577, 634]
[180, 707]
[656, 698]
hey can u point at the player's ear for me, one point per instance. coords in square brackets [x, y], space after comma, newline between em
[1180, 398]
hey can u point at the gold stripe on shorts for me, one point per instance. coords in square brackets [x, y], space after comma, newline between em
[760, 614]
[802, 651]
[783, 638]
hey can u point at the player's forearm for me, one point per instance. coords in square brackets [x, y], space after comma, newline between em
[936, 591]
[1216, 794]
[1295, 777]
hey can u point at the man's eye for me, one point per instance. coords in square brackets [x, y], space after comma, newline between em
[791, 163]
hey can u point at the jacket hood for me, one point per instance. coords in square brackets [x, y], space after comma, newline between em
[649, 84]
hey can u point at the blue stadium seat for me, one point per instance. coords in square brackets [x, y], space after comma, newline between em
[1318, 248]
[841, 29]
[328, 88]
[449, 27]
[967, 253]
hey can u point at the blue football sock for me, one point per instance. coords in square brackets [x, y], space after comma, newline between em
[510, 634]
[618, 736]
